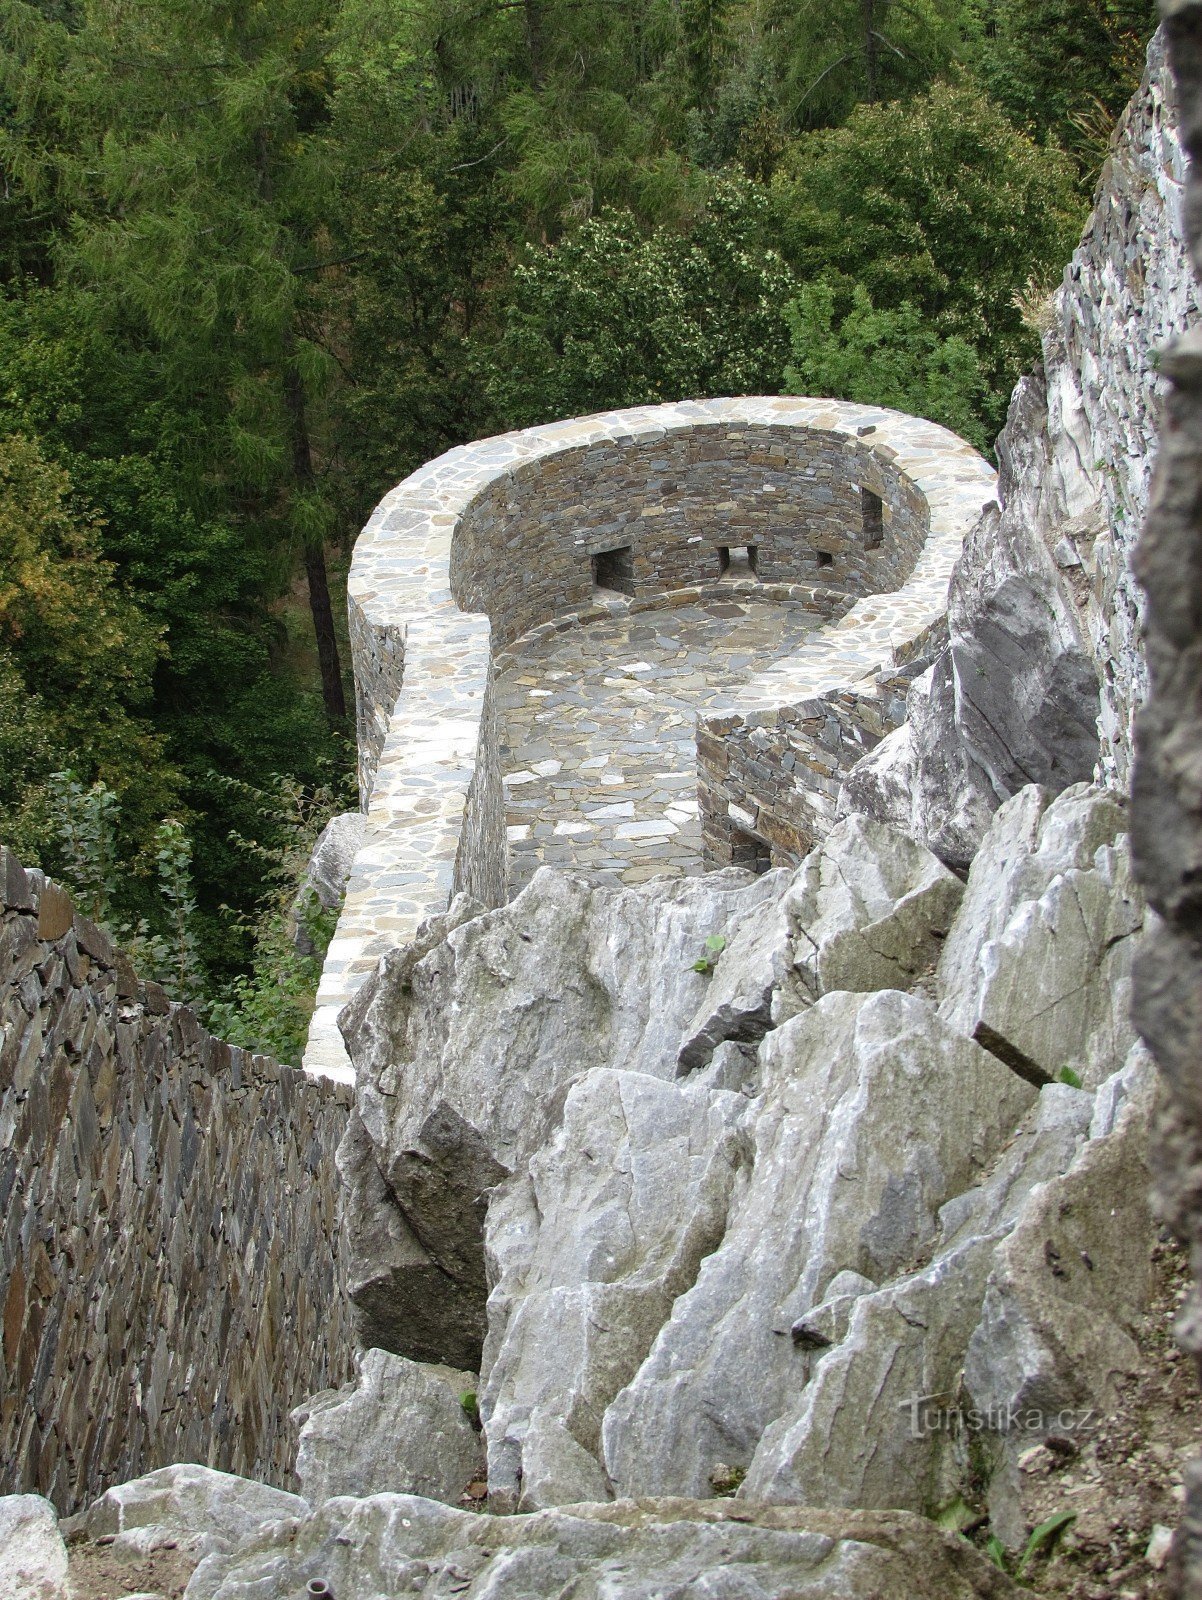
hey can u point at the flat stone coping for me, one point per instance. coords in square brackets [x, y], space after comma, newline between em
[400, 586]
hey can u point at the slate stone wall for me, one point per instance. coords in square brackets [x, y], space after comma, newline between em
[170, 1258]
[523, 547]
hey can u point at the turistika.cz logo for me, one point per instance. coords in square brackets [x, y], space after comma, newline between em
[936, 1413]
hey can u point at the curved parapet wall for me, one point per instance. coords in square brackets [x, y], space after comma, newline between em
[539, 527]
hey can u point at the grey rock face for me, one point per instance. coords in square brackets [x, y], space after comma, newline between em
[634, 1550]
[334, 854]
[1067, 1286]
[329, 867]
[851, 1166]
[922, 779]
[32, 1553]
[399, 1428]
[867, 910]
[1037, 965]
[188, 1505]
[1043, 671]
[879, 1420]
[468, 1041]
[589, 1252]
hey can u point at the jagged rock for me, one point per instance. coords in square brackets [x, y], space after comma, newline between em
[877, 1421]
[465, 1049]
[634, 1550]
[398, 1428]
[1037, 965]
[1033, 838]
[868, 910]
[334, 855]
[851, 1167]
[1027, 686]
[589, 1252]
[190, 1506]
[33, 1557]
[1067, 1288]
[921, 777]
[325, 877]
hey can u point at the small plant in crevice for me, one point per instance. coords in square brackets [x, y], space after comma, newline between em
[471, 1408]
[725, 1481]
[1042, 1541]
[714, 947]
[1067, 1075]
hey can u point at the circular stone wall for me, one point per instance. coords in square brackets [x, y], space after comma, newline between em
[541, 528]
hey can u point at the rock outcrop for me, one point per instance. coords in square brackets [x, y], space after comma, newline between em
[744, 1210]
[633, 1550]
[398, 1427]
[1043, 671]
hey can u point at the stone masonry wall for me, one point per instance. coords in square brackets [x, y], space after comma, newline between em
[522, 549]
[495, 539]
[170, 1258]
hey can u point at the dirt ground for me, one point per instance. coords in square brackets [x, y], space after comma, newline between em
[1127, 1480]
[100, 1572]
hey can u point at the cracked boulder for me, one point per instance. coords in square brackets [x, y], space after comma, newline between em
[589, 1252]
[921, 777]
[32, 1550]
[867, 909]
[874, 1114]
[1037, 965]
[399, 1427]
[189, 1506]
[466, 1045]
[634, 1550]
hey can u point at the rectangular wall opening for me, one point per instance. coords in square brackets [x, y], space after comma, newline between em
[825, 558]
[737, 559]
[749, 851]
[874, 519]
[614, 569]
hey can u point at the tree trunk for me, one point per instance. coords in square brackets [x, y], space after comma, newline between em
[315, 556]
[871, 51]
[323, 627]
[535, 40]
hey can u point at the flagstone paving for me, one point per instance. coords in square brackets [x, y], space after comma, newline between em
[598, 753]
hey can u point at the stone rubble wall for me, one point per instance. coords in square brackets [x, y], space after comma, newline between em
[171, 1277]
[1126, 292]
[1044, 668]
[495, 539]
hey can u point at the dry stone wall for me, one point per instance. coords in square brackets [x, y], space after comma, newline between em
[538, 529]
[171, 1279]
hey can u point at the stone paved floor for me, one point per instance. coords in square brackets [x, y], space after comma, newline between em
[598, 733]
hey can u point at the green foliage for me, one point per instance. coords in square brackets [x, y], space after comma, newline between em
[890, 358]
[940, 204]
[1044, 1537]
[268, 1007]
[1069, 1076]
[613, 317]
[714, 947]
[1063, 69]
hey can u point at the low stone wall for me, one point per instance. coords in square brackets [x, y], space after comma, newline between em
[170, 1261]
[497, 538]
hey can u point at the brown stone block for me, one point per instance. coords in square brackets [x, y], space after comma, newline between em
[55, 912]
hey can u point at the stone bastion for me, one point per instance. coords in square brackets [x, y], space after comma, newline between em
[855, 513]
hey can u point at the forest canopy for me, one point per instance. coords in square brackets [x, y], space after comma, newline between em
[261, 258]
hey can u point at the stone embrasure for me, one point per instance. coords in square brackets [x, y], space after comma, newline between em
[833, 507]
